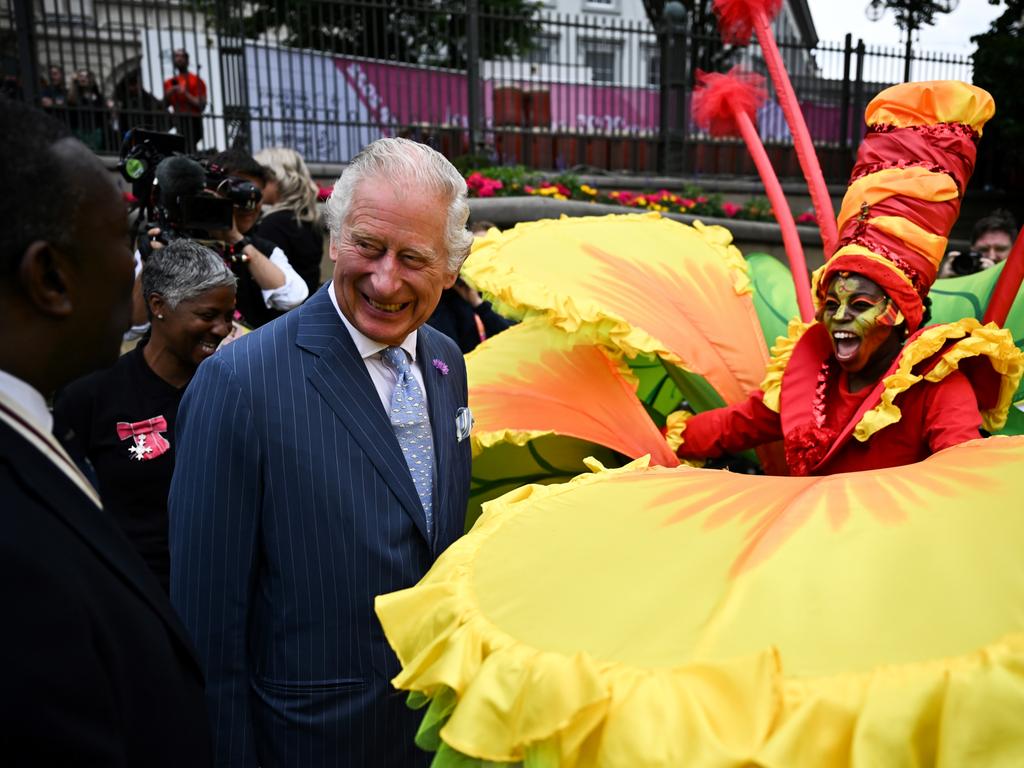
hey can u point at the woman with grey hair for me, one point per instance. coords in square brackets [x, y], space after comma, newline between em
[290, 218]
[122, 419]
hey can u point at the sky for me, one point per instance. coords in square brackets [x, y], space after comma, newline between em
[951, 33]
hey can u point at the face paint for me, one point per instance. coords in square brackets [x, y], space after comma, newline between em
[859, 318]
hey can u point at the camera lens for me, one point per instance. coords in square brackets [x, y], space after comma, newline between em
[966, 263]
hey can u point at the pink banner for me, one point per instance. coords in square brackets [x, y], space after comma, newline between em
[400, 97]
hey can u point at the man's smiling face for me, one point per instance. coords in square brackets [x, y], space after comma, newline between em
[391, 263]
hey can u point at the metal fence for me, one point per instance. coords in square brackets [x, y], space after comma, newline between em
[325, 77]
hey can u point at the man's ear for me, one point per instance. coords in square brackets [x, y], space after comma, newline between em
[450, 278]
[45, 276]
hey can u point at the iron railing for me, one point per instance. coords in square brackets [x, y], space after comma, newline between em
[325, 77]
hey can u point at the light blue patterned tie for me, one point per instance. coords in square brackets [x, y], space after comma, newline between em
[409, 419]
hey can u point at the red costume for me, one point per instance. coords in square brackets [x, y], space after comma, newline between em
[932, 415]
[947, 380]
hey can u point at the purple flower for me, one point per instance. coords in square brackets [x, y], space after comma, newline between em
[441, 365]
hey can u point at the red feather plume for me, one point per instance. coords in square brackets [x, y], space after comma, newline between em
[717, 98]
[736, 17]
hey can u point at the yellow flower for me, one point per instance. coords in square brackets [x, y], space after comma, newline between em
[559, 196]
[587, 190]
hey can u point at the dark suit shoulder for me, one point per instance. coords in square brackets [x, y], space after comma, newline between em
[99, 681]
[442, 340]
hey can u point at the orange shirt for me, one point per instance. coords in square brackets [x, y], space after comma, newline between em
[195, 87]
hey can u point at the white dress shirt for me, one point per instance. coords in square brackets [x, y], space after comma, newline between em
[383, 377]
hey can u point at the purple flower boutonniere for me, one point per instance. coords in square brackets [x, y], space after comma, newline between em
[441, 365]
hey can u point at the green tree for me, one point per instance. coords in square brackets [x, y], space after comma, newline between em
[999, 69]
[910, 15]
[430, 32]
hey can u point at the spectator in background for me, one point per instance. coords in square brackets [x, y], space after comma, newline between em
[991, 241]
[136, 108]
[122, 418]
[97, 669]
[54, 93]
[89, 113]
[268, 285]
[185, 96]
[290, 218]
[462, 314]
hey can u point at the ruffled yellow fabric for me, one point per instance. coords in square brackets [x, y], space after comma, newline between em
[975, 339]
[721, 239]
[480, 441]
[771, 386]
[586, 322]
[675, 425]
[726, 678]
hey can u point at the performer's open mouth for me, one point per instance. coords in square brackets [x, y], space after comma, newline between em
[845, 344]
[382, 307]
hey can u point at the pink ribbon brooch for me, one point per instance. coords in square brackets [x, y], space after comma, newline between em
[147, 442]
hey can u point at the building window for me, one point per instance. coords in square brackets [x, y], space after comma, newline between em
[544, 50]
[602, 58]
[652, 64]
[601, 6]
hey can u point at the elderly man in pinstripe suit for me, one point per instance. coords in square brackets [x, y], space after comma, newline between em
[323, 460]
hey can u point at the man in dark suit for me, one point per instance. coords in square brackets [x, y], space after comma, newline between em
[323, 460]
[97, 670]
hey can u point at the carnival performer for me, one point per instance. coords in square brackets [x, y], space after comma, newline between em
[865, 386]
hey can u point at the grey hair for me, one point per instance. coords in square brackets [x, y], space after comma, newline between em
[404, 162]
[297, 192]
[183, 270]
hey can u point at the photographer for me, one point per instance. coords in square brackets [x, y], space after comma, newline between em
[268, 285]
[991, 242]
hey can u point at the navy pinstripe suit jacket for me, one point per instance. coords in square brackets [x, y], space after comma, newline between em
[290, 509]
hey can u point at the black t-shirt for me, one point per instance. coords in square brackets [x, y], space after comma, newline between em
[302, 242]
[134, 471]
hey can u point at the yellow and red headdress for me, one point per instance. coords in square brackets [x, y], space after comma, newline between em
[906, 188]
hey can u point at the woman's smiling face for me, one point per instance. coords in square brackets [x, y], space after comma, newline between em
[860, 319]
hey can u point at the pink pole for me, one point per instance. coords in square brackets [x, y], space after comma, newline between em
[790, 238]
[801, 136]
[1008, 285]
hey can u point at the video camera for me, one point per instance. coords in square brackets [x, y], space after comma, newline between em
[184, 196]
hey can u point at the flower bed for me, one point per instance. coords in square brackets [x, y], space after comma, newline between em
[517, 181]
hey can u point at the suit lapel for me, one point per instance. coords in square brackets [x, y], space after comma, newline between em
[93, 526]
[442, 419]
[339, 375]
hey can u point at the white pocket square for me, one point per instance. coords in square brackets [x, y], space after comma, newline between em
[463, 423]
